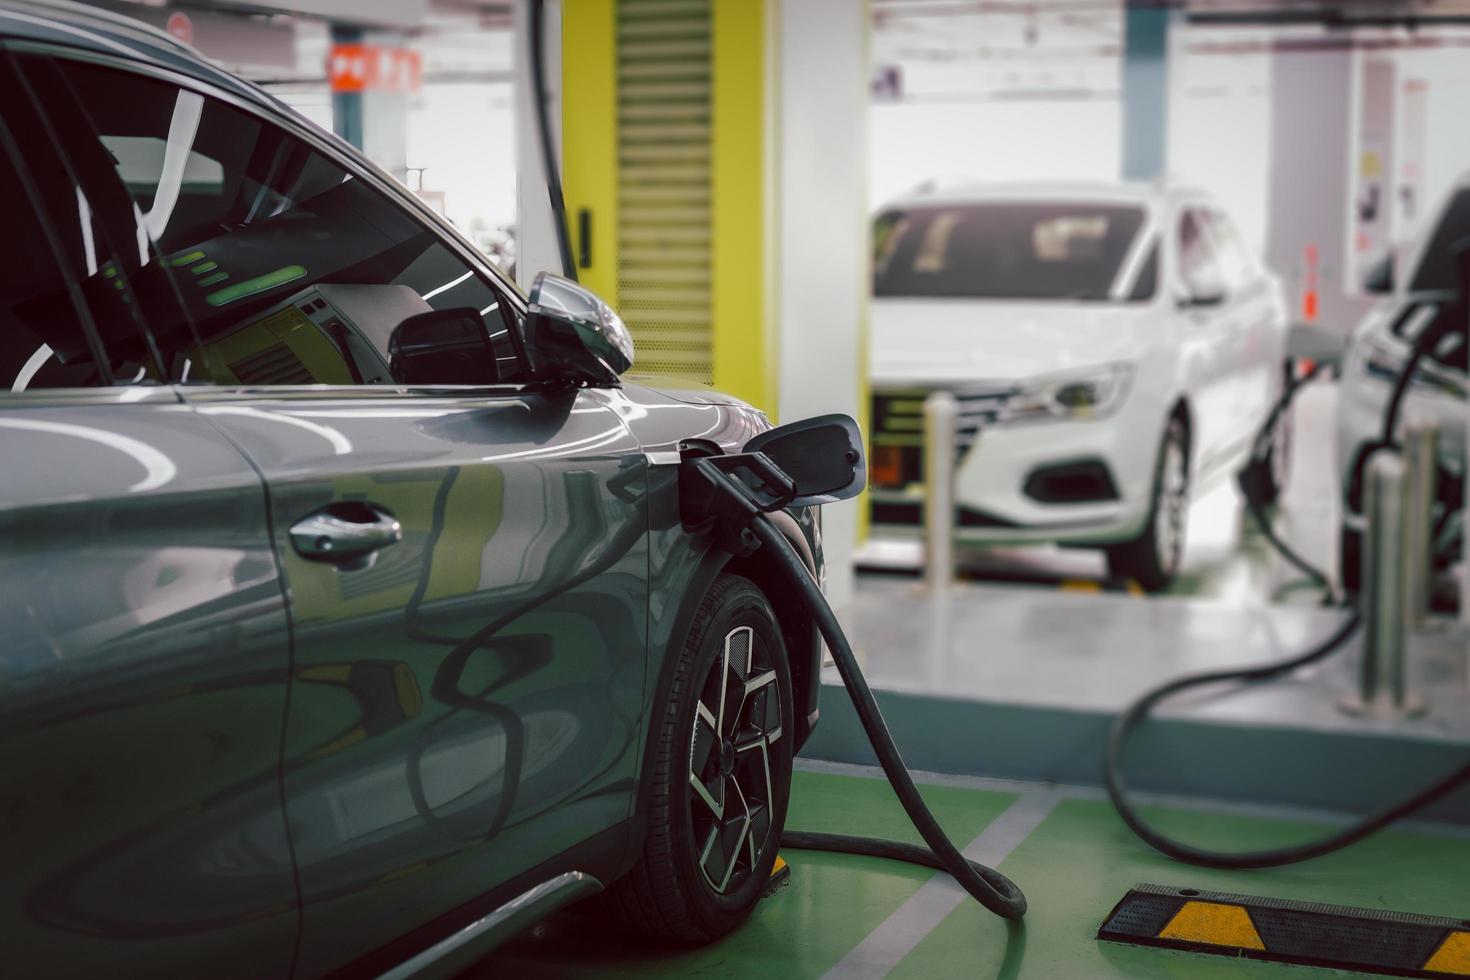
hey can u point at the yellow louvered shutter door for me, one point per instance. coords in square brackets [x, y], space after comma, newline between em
[664, 181]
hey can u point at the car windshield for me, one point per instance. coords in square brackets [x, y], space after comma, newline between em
[1014, 250]
[1436, 270]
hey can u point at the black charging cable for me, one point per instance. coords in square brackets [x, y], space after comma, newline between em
[731, 495]
[1255, 480]
[986, 885]
[1138, 712]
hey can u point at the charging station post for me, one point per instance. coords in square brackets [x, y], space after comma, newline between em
[1421, 440]
[941, 418]
[1389, 557]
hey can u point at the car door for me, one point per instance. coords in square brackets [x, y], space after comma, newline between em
[1252, 314]
[1208, 344]
[466, 554]
[144, 668]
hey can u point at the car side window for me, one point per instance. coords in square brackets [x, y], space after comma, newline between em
[1199, 267]
[288, 269]
[1235, 259]
[1146, 283]
[67, 315]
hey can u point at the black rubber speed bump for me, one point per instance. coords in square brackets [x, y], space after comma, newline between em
[1309, 933]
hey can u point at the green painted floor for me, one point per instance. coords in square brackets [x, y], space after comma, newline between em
[1081, 860]
[1074, 866]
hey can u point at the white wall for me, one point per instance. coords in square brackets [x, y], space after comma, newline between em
[464, 133]
[1217, 130]
[992, 140]
[1220, 128]
[1447, 72]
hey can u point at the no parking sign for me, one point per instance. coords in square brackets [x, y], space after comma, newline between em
[180, 26]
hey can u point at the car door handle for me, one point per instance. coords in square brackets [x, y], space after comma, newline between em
[347, 533]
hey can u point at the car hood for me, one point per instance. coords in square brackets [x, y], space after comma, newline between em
[685, 390]
[925, 340]
[662, 417]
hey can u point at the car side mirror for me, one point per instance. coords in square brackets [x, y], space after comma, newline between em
[572, 335]
[822, 455]
[1203, 287]
[443, 347]
[1379, 278]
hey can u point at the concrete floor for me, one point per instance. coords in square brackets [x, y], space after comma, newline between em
[1044, 648]
[851, 917]
[1024, 683]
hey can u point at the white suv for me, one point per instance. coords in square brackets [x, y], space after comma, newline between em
[1112, 347]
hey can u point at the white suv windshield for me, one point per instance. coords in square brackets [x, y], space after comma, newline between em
[1014, 250]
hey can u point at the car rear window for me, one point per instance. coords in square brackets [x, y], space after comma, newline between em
[1013, 250]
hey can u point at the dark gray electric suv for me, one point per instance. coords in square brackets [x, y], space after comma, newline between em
[349, 621]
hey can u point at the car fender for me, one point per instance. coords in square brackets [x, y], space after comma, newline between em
[1165, 376]
[686, 576]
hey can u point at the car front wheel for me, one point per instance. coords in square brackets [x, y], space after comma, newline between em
[1152, 559]
[721, 774]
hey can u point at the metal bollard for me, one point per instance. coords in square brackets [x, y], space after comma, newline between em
[941, 412]
[1420, 442]
[1387, 555]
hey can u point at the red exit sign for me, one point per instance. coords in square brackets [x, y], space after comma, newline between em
[374, 68]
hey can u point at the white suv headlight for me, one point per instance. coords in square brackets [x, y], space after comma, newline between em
[1085, 395]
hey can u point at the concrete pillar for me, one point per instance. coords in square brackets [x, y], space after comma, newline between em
[1311, 211]
[385, 130]
[376, 120]
[536, 247]
[1374, 164]
[1145, 91]
[821, 241]
[347, 106]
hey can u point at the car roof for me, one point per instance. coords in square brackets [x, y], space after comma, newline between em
[1143, 193]
[73, 25]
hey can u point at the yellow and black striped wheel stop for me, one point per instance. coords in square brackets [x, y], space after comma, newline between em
[780, 877]
[1397, 944]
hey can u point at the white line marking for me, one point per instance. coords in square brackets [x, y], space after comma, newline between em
[1071, 791]
[901, 932]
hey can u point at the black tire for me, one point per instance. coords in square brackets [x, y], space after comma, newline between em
[671, 893]
[1278, 461]
[1350, 559]
[1152, 558]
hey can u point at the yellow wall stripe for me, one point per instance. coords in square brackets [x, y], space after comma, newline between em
[743, 338]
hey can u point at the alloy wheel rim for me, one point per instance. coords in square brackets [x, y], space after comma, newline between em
[737, 720]
[1173, 506]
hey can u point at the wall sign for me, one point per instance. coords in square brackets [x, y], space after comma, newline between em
[374, 68]
[180, 26]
